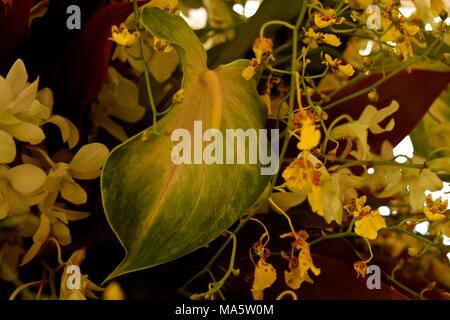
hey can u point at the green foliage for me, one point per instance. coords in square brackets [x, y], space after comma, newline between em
[161, 211]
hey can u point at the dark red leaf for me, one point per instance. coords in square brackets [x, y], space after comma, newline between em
[415, 92]
[14, 26]
[82, 69]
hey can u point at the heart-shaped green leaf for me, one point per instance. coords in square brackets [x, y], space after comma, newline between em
[161, 211]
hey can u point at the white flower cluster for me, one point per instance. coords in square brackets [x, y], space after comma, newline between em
[32, 183]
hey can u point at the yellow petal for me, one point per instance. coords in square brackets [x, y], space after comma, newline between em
[433, 216]
[265, 276]
[88, 161]
[17, 78]
[26, 132]
[32, 252]
[25, 98]
[72, 192]
[309, 137]
[68, 130]
[368, 226]
[62, 233]
[7, 147]
[332, 40]
[347, 69]
[26, 178]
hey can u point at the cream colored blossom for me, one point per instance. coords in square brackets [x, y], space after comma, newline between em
[85, 165]
[412, 183]
[369, 121]
[87, 287]
[17, 187]
[119, 98]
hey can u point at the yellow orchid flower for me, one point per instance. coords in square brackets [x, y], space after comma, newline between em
[122, 36]
[161, 45]
[360, 268]
[337, 64]
[435, 209]
[263, 47]
[327, 38]
[250, 71]
[307, 176]
[326, 18]
[300, 266]
[304, 173]
[265, 276]
[368, 222]
[309, 134]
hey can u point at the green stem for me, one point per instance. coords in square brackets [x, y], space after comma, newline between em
[418, 237]
[144, 64]
[351, 163]
[230, 270]
[333, 236]
[282, 154]
[384, 79]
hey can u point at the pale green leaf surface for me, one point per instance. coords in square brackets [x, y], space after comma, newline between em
[161, 211]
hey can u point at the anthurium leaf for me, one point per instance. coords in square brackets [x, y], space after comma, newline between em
[161, 211]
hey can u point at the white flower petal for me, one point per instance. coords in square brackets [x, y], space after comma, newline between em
[4, 207]
[32, 252]
[16, 205]
[63, 126]
[7, 148]
[43, 231]
[74, 136]
[113, 128]
[17, 77]
[68, 130]
[73, 192]
[25, 98]
[26, 178]
[90, 158]
[62, 232]
[8, 118]
[26, 132]
[5, 93]
[36, 113]
[45, 96]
